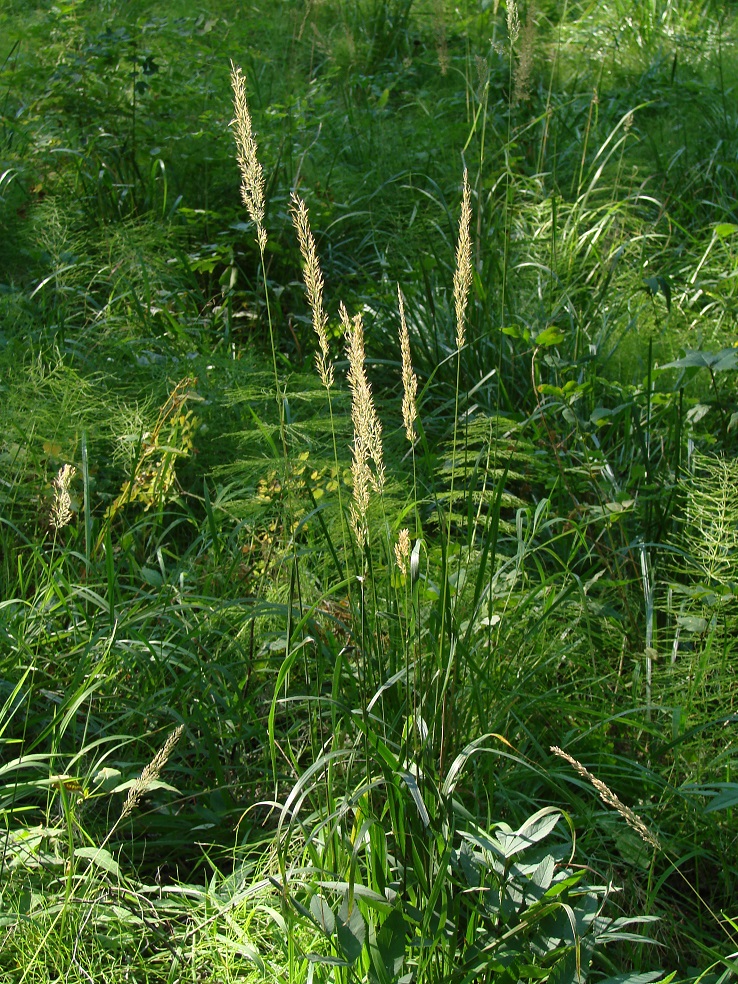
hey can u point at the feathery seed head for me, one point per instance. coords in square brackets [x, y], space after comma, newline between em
[463, 274]
[314, 287]
[524, 64]
[513, 21]
[150, 773]
[402, 550]
[610, 799]
[61, 508]
[252, 175]
[409, 379]
[367, 444]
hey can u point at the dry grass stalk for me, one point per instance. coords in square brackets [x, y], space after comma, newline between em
[252, 175]
[610, 799]
[482, 66]
[150, 773]
[463, 273]
[524, 64]
[367, 445]
[314, 287]
[402, 550]
[61, 508]
[439, 27]
[409, 379]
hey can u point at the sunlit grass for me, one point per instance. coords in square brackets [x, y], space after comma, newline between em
[540, 554]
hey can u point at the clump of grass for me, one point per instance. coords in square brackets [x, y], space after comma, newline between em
[404, 662]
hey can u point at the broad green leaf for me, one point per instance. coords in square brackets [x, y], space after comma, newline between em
[319, 958]
[697, 359]
[106, 778]
[323, 914]
[724, 800]
[412, 784]
[350, 930]
[659, 283]
[728, 360]
[550, 336]
[150, 785]
[543, 873]
[533, 830]
[391, 943]
[100, 858]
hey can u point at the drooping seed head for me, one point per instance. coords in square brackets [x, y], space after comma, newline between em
[611, 799]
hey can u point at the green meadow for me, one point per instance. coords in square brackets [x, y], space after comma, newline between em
[368, 491]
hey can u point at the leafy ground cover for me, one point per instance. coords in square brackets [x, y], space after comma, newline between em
[392, 641]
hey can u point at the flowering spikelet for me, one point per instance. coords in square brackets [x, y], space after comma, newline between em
[402, 550]
[367, 446]
[463, 272]
[524, 64]
[314, 287]
[409, 379]
[150, 773]
[610, 799]
[513, 21]
[252, 175]
[61, 508]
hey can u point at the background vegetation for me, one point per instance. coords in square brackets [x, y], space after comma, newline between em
[237, 744]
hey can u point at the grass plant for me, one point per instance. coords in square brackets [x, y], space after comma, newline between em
[411, 577]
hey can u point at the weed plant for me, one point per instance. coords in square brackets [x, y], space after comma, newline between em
[417, 598]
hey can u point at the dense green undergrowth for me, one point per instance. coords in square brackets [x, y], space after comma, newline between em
[476, 725]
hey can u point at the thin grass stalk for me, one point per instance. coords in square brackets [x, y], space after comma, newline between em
[594, 102]
[314, 284]
[513, 29]
[404, 556]
[463, 276]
